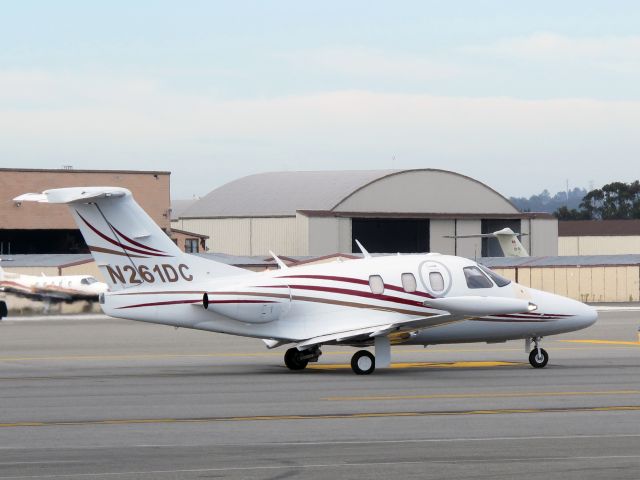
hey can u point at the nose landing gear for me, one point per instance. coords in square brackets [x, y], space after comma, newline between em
[538, 357]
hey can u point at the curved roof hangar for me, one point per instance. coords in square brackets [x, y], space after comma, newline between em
[416, 191]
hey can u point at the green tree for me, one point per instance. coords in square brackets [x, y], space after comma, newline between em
[614, 201]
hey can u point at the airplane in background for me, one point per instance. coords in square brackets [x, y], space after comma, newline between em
[423, 299]
[507, 238]
[64, 288]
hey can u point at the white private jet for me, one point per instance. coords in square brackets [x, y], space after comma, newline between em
[409, 299]
[507, 238]
[64, 288]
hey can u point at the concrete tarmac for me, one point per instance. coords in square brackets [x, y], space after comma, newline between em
[104, 398]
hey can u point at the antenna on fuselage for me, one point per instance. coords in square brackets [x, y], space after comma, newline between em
[280, 263]
[365, 254]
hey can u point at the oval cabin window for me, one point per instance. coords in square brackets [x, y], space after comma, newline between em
[436, 281]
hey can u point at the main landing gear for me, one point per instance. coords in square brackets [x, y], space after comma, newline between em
[538, 357]
[296, 359]
[362, 363]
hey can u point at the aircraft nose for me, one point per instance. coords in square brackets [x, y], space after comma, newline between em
[587, 316]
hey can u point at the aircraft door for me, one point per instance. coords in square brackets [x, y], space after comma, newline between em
[435, 278]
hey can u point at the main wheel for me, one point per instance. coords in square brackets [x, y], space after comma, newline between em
[293, 361]
[538, 360]
[363, 362]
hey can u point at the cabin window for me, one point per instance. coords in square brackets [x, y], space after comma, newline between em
[498, 279]
[376, 284]
[476, 279]
[436, 281]
[409, 282]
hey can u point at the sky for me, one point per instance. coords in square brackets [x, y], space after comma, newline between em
[520, 95]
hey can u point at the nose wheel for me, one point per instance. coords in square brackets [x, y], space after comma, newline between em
[538, 357]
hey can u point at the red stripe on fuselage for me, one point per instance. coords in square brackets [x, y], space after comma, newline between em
[358, 281]
[358, 293]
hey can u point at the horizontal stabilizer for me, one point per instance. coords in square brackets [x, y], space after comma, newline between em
[505, 231]
[73, 195]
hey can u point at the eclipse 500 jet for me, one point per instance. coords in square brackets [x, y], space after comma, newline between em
[409, 299]
[60, 288]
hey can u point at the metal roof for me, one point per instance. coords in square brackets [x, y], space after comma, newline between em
[61, 260]
[178, 206]
[566, 261]
[282, 193]
[278, 194]
[44, 260]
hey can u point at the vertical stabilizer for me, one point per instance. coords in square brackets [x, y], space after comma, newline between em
[129, 247]
[511, 246]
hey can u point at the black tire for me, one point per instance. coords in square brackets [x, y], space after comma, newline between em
[363, 362]
[536, 361]
[292, 360]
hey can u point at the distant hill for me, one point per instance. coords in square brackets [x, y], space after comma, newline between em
[544, 202]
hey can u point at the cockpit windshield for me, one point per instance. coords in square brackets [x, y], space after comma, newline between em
[498, 279]
[475, 278]
[88, 281]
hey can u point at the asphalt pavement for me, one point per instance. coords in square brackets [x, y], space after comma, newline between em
[103, 398]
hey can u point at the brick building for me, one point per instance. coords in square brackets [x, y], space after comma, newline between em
[32, 228]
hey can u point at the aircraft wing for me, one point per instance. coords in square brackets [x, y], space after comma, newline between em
[368, 333]
[455, 308]
[39, 293]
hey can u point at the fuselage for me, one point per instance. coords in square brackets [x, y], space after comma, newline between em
[58, 287]
[305, 302]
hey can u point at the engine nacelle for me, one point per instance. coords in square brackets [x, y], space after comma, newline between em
[481, 306]
[245, 310]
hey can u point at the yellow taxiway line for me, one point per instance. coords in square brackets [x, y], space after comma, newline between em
[399, 365]
[604, 342]
[482, 395]
[337, 416]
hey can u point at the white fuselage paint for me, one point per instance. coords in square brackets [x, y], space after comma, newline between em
[61, 287]
[304, 302]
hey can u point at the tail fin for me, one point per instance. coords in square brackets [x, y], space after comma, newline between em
[129, 247]
[510, 244]
[507, 238]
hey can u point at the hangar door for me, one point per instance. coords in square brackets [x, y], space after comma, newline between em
[390, 235]
[491, 246]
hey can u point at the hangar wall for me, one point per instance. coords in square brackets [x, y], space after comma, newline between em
[586, 284]
[598, 245]
[438, 229]
[250, 236]
[319, 213]
[543, 237]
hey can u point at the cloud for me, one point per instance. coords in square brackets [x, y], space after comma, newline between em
[367, 63]
[610, 52]
[97, 121]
